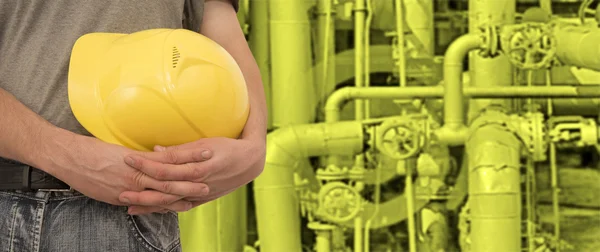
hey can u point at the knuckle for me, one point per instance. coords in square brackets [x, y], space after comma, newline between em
[171, 157]
[167, 187]
[164, 200]
[161, 173]
[137, 179]
[194, 172]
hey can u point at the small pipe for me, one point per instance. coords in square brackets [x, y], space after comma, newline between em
[359, 56]
[277, 206]
[400, 43]
[358, 231]
[368, 55]
[454, 111]
[338, 98]
[410, 206]
[494, 184]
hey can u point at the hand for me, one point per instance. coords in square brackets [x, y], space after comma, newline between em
[98, 170]
[224, 164]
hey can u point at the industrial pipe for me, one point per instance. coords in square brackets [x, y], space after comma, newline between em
[494, 184]
[339, 97]
[578, 45]
[325, 47]
[487, 70]
[454, 111]
[291, 63]
[259, 44]
[277, 206]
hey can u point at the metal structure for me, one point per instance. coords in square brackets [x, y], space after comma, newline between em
[454, 107]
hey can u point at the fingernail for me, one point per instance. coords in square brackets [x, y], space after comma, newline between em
[188, 206]
[130, 161]
[159, 148]
[206, 154]
[205, 190]
[125, 200]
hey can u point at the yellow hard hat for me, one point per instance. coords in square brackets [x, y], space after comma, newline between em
[156, 87]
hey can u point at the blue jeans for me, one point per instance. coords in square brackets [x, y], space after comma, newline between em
[72, 222]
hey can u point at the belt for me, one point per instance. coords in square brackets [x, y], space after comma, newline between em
[17, 176]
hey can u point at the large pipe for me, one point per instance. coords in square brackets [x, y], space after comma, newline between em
[259, 44]
[494, 154]
[226, 215]
[419, 19]
[325, 47]
[578, 45]
[489, 70]
[277, 206]
[291, 64]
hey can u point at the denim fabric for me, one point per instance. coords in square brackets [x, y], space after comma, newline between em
[72, 222]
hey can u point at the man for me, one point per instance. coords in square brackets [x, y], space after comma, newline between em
[121, 199]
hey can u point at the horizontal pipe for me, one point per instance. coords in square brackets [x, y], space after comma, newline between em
[578, 45]
[448, 135]
[341, 96]
[277, 206]
[494, 184]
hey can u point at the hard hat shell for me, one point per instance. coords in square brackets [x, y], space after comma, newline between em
[156, 87]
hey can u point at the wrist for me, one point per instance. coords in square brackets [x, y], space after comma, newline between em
[54, 149]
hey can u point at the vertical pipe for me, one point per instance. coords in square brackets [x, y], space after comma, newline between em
[325, 46]
[400, 38]
[358, 234]
[419, 18]
[291, 63]
[359, 56]
[205, 225]
[277, 203]
[259, 44]
[410, 205]
[489, 70]
[494, 185]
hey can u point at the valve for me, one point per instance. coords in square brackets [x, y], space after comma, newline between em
[529, 45]
[338, 202]
[574, 129]
[399, 138]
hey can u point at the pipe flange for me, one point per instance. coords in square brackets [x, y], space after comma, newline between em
[338, 202]
[529, 45]
[533, 133]
[398, 139]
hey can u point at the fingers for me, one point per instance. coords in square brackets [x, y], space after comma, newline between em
[155, 201]
[183, 188]
[175, 156]
[165, 171]
[141, 210]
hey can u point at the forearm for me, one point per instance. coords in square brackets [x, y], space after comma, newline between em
[25, 136]
[220, 24]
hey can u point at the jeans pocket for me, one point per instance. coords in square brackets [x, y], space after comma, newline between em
[157, 232]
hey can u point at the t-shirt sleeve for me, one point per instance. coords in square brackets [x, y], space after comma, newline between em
[192, 13]
[236, 4]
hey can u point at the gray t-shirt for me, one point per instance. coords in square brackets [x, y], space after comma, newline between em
[36, 38]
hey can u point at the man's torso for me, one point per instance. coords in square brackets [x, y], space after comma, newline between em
[36, 38]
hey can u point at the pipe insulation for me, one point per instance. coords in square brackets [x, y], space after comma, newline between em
[277, 205]
[494, 184]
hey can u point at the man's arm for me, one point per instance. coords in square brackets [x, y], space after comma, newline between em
[25, 136]
[220, 24]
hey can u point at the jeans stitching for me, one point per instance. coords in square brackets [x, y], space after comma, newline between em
[145, 242]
